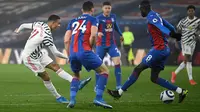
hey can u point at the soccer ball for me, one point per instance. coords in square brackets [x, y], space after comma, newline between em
[167, 96]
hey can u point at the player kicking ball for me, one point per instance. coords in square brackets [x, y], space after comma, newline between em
[106, 41]
[158, 28]
[79, 39]
[37, 61]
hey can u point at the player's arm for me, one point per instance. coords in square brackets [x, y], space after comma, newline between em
[67, 40]
[94, 31]
[168, 25]
[93, 36]
[48, 42]
[116, 26]
[157, 21]
[24, 26]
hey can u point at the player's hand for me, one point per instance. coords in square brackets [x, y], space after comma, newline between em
[121, 38]
[175, 35]
[100, 34]
[16, 30]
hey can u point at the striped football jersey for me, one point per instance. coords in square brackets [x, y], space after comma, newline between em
[188, 29]
[40, 37]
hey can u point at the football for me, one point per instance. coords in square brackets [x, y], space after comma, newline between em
[167, 96]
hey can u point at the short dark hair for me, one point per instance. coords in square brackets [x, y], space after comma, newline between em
[191, 7]
[53, 18]
[87, 6]
[145, 3]
[106, 3]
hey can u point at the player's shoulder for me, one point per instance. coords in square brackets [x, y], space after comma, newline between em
[183, 19]
[39, 23]
[153, 17]
[113, 15]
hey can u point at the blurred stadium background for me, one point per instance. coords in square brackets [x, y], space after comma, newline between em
[15, 12]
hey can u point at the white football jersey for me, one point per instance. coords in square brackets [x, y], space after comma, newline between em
[40, 37]
[188, 29]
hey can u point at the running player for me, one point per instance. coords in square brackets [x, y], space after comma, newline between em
[189, 27]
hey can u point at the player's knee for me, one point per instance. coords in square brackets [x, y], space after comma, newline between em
[116, 60]
[102, 69]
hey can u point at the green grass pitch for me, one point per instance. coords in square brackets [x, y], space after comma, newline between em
[21, 91]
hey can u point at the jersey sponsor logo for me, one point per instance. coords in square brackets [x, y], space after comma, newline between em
[109, 27]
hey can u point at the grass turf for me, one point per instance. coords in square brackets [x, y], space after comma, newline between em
[21, 91]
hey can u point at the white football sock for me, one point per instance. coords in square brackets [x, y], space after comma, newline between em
[51, 88]
[189, 70]
[181, 67]
[120, 91]
[64, 75]
[179, 90]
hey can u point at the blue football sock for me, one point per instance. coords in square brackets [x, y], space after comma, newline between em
[118, 75]
[101, 84]
[130, 81]
[97, 77]
[166, 84]
[74, 88]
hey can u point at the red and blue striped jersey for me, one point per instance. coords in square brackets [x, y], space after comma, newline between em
[158, 29]
[107, 25]
[81, 31]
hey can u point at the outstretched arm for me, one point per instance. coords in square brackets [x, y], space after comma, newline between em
[24, 26]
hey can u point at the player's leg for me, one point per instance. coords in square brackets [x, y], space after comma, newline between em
[101, 84]
[115, 54]
[66, 76]
[164, 83]
[131, 80]
[39, 70]
[101, 52]
[74, 86]
[188, 59]
[49, 85]
[61, 73]
[181, 67]
[92, 62]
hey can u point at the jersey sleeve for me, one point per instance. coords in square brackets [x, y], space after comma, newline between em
[158, 22]
[168, 25]
[95, 22]
[69, 26]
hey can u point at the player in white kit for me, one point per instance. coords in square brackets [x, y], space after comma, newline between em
[189, 27]
[37, 61]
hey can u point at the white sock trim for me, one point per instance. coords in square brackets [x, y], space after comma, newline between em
[64, 75]
[120, 91]
[179, 90]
